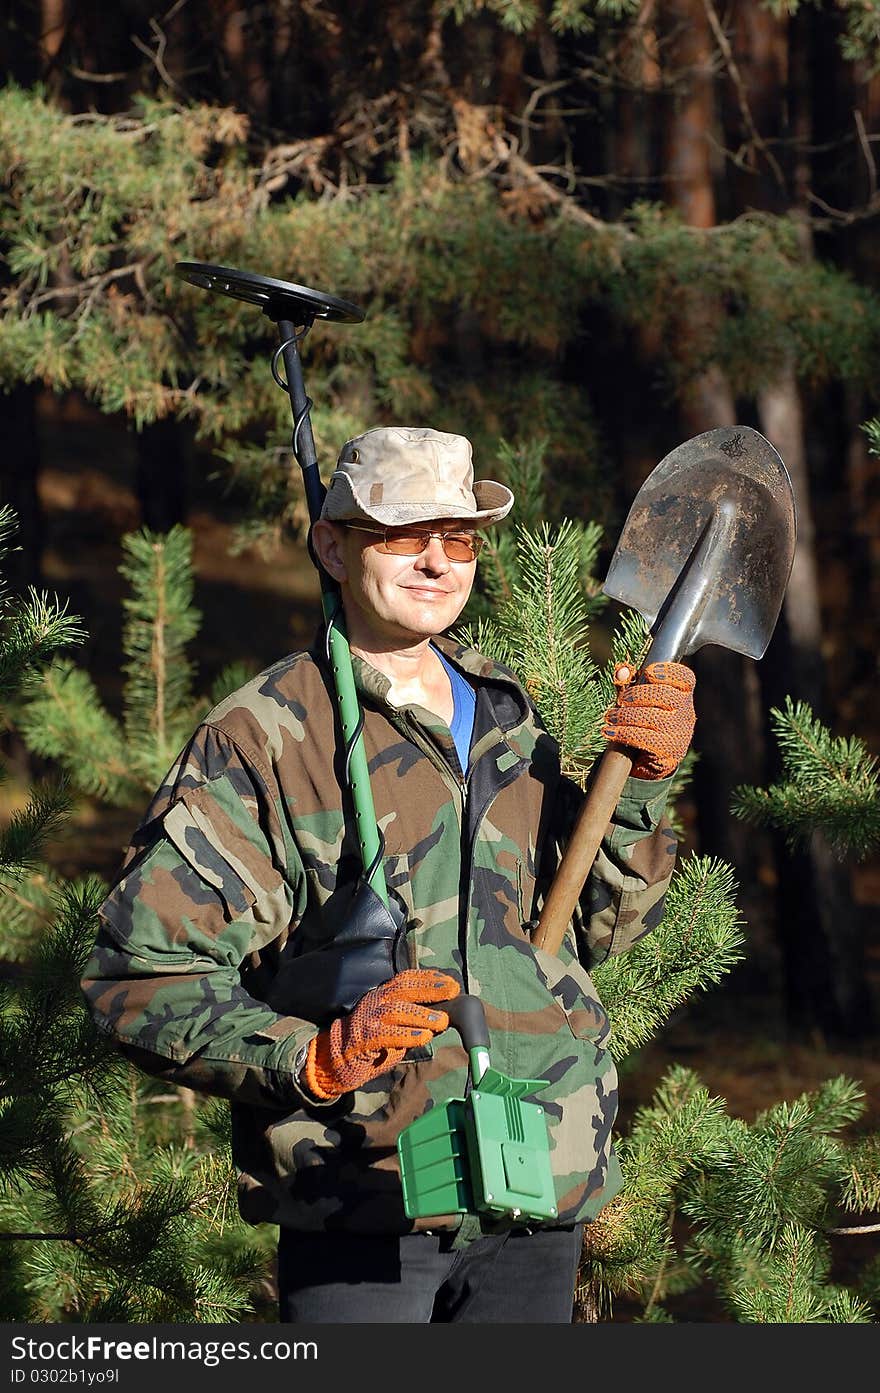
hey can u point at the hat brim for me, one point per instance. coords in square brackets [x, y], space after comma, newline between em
[494, 501]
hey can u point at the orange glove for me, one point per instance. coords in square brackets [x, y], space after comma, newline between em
[386, 1022]
[654, 716]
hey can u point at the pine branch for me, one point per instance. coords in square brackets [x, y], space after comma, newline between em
[793, 1289]
[66, 720]
[752, 1201]
[26, 907]
[8, 529]
[23, 840]
[48, 1044]
[522, 466]
[630, 1247]
[59, 961]
[872, 430]
[856, 1228]
[834, 1105]
[861, 1190]
[33, 629]
[541, 631]
[787, 1167]
[698, 940]
[228, 680]
[829, 784]
[161, 621]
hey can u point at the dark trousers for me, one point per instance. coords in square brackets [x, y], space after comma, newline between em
[506, 1278]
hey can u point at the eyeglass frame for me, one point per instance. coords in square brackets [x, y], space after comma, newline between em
[476, 542]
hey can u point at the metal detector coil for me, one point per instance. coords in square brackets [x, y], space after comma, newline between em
[277, 299]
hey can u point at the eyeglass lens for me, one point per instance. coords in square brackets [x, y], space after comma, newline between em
[458, 546]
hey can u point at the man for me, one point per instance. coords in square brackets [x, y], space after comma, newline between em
[246, 861]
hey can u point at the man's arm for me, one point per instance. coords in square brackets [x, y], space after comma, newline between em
[625, 892]
[209, 888]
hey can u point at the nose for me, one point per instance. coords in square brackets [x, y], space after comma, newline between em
[433, 558]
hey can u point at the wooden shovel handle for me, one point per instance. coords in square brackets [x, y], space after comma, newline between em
[595, 814]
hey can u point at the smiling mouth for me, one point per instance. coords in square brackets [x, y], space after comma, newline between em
[426, 590]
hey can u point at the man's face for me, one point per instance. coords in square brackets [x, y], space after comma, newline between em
[392, 598]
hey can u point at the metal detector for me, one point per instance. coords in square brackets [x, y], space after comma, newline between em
[367, 950]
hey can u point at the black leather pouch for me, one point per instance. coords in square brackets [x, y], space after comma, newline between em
[330, 980]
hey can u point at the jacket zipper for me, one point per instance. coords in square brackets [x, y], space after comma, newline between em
[462, 788]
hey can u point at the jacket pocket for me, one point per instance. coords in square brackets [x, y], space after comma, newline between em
[572, 989]
[236, 865]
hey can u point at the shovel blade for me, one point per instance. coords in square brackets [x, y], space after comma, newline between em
[729, 483]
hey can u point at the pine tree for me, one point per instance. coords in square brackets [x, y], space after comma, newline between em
[98, 210]
[747, 1212]
[106, 1211]
[118, 762]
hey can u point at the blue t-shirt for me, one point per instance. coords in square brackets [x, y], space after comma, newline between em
[464, 701]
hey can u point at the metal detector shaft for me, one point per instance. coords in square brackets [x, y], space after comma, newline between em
[340, 657]
[303, 439]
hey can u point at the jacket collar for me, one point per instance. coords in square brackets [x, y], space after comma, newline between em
[479, 669]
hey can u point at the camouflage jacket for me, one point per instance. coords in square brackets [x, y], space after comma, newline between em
[245, 859]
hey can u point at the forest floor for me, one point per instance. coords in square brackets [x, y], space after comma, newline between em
[254, 609]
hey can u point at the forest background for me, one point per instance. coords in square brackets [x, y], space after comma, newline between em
[581, 231]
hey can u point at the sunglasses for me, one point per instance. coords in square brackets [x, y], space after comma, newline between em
[458, 546]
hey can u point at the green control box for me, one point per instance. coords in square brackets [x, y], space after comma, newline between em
[486, 1154]
[509, 1154]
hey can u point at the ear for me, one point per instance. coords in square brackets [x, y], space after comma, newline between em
[326, 540]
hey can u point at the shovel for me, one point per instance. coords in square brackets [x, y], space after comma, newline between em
[704, 556]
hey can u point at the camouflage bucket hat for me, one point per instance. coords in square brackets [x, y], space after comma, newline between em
[400, 474]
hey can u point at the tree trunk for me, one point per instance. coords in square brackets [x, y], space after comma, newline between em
[283, 93]
[53, 31]
[629, 144]
[857, 700]
[642, 438]
[249, 83]
[18, 486]
[727, 736]
[689, 59]
[761, 59]
[821, 936]
[162, 475]
[781, 416]
[821, 940]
